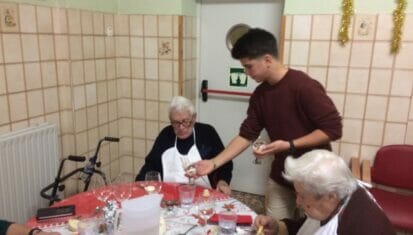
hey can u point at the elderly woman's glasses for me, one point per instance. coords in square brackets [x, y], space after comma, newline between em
[184, 123]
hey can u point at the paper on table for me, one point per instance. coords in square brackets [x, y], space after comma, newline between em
[141, 215]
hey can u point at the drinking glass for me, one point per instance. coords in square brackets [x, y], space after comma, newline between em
[122, 192]
[99, 189]
[256, 145]
[206, 209]
[186, 195]
[227, 221]
[153, 182]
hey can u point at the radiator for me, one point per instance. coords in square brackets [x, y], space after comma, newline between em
[29, 160]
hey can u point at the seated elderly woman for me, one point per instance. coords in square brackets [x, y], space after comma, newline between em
[332, 199]
[185, 142]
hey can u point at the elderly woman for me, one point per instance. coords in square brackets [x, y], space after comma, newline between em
[185, 142]
[332, 199]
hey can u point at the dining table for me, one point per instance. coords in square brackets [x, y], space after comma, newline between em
[176, 220]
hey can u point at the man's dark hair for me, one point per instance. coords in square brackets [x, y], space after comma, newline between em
[255, 43]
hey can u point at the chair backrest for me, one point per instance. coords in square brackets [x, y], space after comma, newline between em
[393, 166]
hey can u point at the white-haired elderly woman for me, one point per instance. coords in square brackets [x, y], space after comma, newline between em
[186, 141]
[332, 199]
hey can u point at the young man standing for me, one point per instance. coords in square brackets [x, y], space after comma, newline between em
[292, 107]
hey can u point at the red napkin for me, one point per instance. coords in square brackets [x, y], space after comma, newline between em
[241, 219]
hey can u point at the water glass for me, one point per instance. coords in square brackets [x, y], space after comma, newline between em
[122, 192]
[206, 208]
[88, 227]
[227, 221]
[153, 182]
[186, 195]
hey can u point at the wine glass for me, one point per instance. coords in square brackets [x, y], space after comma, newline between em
[256, 145]
[206, 209]
[99, 189]
[122, 192]
[190, 170]
[153, 182]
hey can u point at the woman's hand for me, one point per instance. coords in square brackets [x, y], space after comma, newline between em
[223, 187]
[204, 167]
[271, 148]
[270, 224]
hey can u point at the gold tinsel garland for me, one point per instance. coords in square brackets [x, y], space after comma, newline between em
[347, 7]
[398, 21]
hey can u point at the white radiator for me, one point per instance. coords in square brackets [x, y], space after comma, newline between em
[29, 160]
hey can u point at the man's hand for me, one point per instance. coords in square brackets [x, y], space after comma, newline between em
[270, 224]
[204, 167]
[223, 187]
[271, 148]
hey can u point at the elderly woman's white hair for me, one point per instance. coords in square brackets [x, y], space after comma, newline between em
[180, 103]
[321, 172]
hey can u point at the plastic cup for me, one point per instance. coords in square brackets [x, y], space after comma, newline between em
[227, 221]
[186, 195]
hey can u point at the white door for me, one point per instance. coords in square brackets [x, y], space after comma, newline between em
[226, 113]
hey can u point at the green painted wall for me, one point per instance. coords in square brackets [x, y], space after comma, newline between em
[292, 7]
[162, 7]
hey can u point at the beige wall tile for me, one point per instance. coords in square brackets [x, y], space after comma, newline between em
[137, 68]
[35, 103]
[75, 43]
[101, 91]
[121, 24]
[87, 22]
[123, 67]
[358, 80]
[288, 26]
[152, 110]
[4, 129]
[59, 20]
[91, 94]
[67, 122]
[299, 53]
[81, 143]
[361, 54]
[77, 72]
[139, 128]
[402, 83]
[381, 55]
[151, 90]
[15, 78]
[165, 91]
[165, 70]
[352, 130]
[319, 74]
[126, 163]
[49, 74]
[125, 108]
[30, 47]
[27, 18]
[411, 110]
[164, 112]
[122, 46]
[136, 47]
[409, 134]
[62, 47]
[124, 88]
[355, 105]
[90, 73]
[151, 47]
[98, 23]
[380, 81]
[337, 79]
[398, 109]
[408, 31]
[79, 97]
[108, 20]
[37, 121]
[63, 72]
[3, 89]
[175, 30]
[138, 89]
[65, 98]
[99, 47]
[18, 110]
[74, 25]
[12, 48]
[4, 110]
[165, 24]
[373, 132]
[347, 151]
[152, 129]
[109, 46]
[319, 53]
[100, 69]
[93, 138]
[368, 153]
[151, 69]
[136, 25]
[110, 68]
[150, 25]
[44, 19]
[301, 28]
[286, 49]
[321, 28]
[80, 120]
[32, 75]
[88, 47]
[103, 113]
[19, 125]
[385, 31]
[339, 55]
[124, 127]
[165, 48]
[394, 133]
[138, 109]
[92, 118]
[51, 100]
[139, 149]
[363, 30]
[403, 59]
[112, 91]
[376, 107]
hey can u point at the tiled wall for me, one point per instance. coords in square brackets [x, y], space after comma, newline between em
[58, 65]
[371, 88]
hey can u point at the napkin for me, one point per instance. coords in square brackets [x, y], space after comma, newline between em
[241, 219]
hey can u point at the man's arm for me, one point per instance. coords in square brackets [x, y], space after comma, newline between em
[234, 148]
[18, 229]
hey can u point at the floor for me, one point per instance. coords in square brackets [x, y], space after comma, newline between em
[254, 201]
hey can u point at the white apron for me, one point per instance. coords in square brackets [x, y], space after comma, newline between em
[173, 167]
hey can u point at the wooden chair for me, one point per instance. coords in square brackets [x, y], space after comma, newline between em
[392, 168]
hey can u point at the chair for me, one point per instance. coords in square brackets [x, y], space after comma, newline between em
[393, 167]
